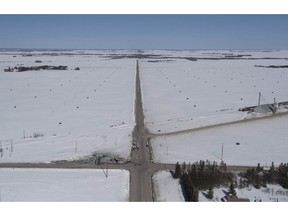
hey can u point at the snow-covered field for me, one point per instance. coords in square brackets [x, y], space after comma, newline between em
[166, 189]
[182, 94]
[51, 185]
[261, 141]
[74, 113]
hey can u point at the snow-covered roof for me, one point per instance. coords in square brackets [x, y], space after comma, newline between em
[264, 108]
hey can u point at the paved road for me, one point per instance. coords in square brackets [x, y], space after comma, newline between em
[140, 186]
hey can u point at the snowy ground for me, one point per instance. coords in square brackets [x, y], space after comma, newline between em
[166, 189]
[77, 112]
[182, 94]
[74, 146]
[272, 193]
[47, 185]
[261, 141]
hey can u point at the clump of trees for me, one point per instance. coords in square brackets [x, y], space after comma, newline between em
[260, 178]
[35, 68]
[36, 135]
[202, 176]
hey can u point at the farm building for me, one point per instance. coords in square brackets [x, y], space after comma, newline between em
[265, 108]
[232, 198]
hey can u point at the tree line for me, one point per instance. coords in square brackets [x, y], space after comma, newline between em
[206, 175]
[258, 177]
[202, 176]
[35, 68]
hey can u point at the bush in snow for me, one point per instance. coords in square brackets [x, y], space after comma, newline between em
[36, 135]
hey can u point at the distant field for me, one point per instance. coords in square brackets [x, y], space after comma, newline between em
[177, 92]
[50, 115]
[180, 94]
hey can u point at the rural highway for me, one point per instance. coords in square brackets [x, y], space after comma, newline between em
[140, 166]
[140, 185]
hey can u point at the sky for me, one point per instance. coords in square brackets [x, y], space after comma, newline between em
[144, 31]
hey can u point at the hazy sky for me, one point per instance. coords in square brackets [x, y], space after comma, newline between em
[144, 31]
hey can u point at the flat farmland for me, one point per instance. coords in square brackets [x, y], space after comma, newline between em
[63, 185]
[180, 94]
[50, 115]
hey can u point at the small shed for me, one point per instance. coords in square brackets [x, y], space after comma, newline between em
[265, 108]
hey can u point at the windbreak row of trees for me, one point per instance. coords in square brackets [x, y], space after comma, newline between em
[35, 68]
[260, 178]
[202, 176]
[206, 175]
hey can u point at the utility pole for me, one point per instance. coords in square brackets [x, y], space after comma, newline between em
[259, 98]
[274, 106]
[11, 145]
[222, 152]
[1, 149]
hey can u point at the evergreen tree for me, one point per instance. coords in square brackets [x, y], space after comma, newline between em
[202, 166]
[184, 166]
[210, 193]
[241, 183]
[272, 168]
[178, 171]
[195, 197]
[232, 189]
[223, 166]
[189, 167]
[257, 182]
[214, 165]
[193, 194]
[272, 174]
[259, 168]
[235, 183]
[283, 175]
